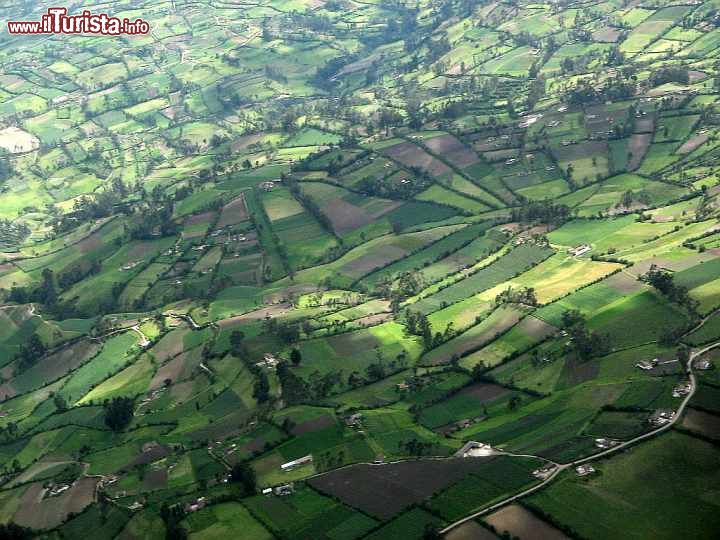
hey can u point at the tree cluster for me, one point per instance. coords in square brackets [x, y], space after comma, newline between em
[119, 412]
[585, 343]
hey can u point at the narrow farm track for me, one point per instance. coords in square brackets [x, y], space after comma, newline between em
[561, 467]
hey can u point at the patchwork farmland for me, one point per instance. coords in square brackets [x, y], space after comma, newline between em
[342, 269]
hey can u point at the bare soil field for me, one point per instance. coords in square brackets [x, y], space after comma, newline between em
[372, 261]
[233, 212]
[453, 150]
[385, 490]
[523, 524]
[638, 145]
[702, 422]
[411, 155]
[345, 217]
[606, 35]
[483, 391]
[316, 424]
[38, 513]
[470, 530]
[17, 141]
[257, 315]
[692, 143]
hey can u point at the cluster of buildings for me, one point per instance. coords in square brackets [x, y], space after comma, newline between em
[475, 449]
[584, 470]
[661, 417]
[647, 365]
[604, 443]
[269, 362]
[280, 491]
[268, 185]
[543, 472]
[682, 389]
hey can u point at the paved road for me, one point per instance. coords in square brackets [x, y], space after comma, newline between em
[622, 446]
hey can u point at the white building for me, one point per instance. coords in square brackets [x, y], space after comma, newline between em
[290, 465]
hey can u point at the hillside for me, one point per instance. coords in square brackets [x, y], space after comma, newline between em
[428, 269]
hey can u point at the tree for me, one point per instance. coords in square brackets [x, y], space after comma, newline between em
[172, 516]
[60, 402]
[243, 474]
[30, 352]
[119, 413]
[13, 531]
[237, 342]
[295, 357]
[431, 533]
[261, 388]
[683, 354]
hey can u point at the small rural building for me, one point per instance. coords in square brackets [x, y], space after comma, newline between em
[284, 490]
[354, 420]
[267, 185]
[682, 389]
[475, 449]
[584, 470]
[604, 443]
[269, 361]
[703, 365]
[199, 504]
[543, 472]
[290, 465]
[647, 365]
[582, 249]
[661, 417]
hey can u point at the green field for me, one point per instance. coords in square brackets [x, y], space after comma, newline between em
[360, 235]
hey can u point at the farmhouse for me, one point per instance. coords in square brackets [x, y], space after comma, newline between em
[354, 420]
[604, 443]
[267, 185]
[57, 490]
[661, 417]
[703, 365]
[475, 449]
[584, 470]
[269, 362]
[582, 249]
[646, 365]
[284, 490]
[543, 472]
[199, 504]
[682, 389]
[290, 465]
[267, 491]
[129, 266]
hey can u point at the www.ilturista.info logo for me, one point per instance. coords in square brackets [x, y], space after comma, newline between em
[57, 21]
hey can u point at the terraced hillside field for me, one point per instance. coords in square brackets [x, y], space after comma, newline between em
[343, 269]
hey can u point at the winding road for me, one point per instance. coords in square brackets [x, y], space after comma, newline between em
[563, 466]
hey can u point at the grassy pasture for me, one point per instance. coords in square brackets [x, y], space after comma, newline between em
[602, 496]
